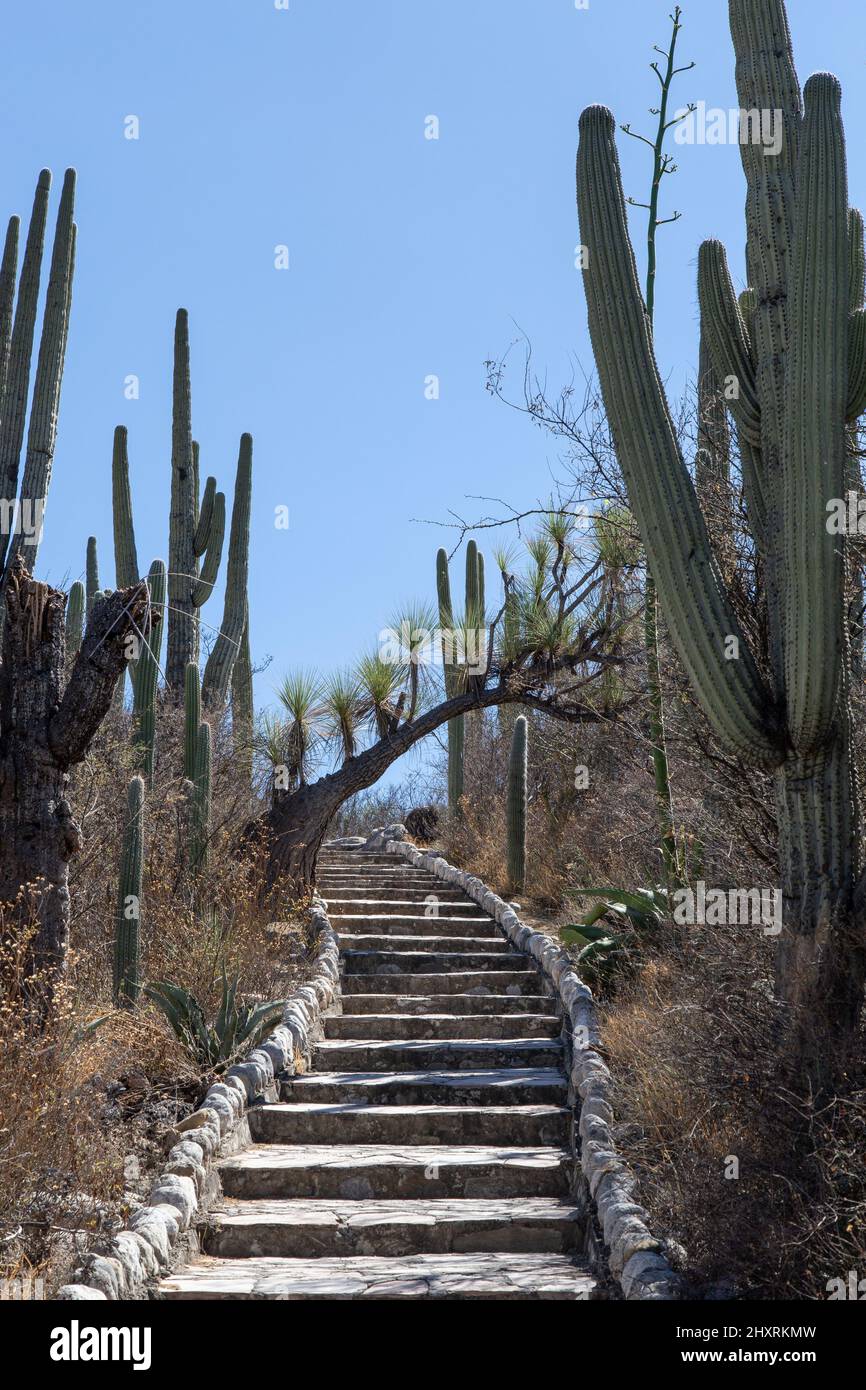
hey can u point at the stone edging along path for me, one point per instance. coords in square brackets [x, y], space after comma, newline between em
[602, 1180]
[158, 1234]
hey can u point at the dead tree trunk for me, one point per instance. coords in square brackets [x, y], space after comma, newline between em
[44, 730]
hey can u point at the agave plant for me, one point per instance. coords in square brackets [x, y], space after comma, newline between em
[599, 949]
[236, 1026]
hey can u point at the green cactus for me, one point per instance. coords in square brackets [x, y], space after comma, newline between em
[193, 532]
[200, 801]
[242, 707]
[516, 806]
[800, 369]
[145, 676]
[125, 556]
[16, 347]
[220, 663]
[92, 574]
[127, 943]
[191, 719]
[8, 268]
[74, 619]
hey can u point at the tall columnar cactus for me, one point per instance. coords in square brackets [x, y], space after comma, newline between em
[196, 769]
[146, 675]
[201, 801]
[127, 942]
[92, 573]
[516, 806]
[74, 619]
[224, 653]
[242, 707]
[192, 533]
[16, 348]
[125, 556]
[799, 364]
[191, 719]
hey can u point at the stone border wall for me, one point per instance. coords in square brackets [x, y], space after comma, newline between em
[604, 1185]
[160, 1234]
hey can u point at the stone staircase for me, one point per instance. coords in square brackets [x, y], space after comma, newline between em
[427, 1154]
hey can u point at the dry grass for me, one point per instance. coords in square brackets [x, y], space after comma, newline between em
[86, 1112]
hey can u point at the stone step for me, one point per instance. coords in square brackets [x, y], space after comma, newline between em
[406, 922]
[391, 1025]
[324, 1229]
[357, 1005]
[399, 905]
[459, 1276]
[365, 861]
[364, 1171]
[511, 1086]
[433, 963]
[470, 982]
[368, 1054]
[388, 878]
[424, 926]
[443, 944]
[353, 1123]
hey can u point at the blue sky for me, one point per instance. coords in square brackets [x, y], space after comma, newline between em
[408, 257]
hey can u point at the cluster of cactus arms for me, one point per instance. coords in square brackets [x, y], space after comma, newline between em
[226, 648]
[795, 353]
[196, 768]
[145, 677]
[127, 931]
[193, 531]
[17, 330]
[516, 805]
[469, 633]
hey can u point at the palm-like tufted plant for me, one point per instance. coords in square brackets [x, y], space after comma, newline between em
[797, 362]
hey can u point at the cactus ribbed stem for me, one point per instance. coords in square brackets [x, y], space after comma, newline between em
[146, 674]
[74, 619]
[218, 671]
[191, 719]
[516, 806]
[181, 535]
[125, 556]
[45, 406]
[816, 379]
[8, 270]
[92, 573]
[127, 930]
[456, 727]
[200, 806]
[661, 493]
[242, 707]
[16, 387]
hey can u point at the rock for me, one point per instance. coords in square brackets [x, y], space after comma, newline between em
[174, 1190]
[79, 1293]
